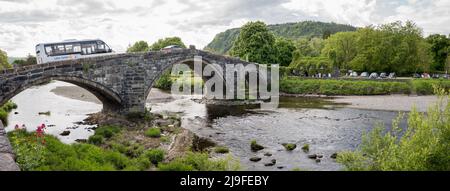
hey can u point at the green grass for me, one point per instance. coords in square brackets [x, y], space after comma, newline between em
[199, 162]
[153, 132]
[56, 156]
[332, 87]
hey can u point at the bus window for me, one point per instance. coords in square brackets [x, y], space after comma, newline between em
[49, 50]
[88, 47]
[69, 48]
[59, 49]
[77, 48]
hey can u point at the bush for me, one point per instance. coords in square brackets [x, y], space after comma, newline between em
[56, 156]
[165, 81]
[153, 132]
[423, 146]
[426, 86]
[343, 87]
[221, 150]
[199, 162]
[155, 155]
[107, 131]
[96, 139]
[5, 110]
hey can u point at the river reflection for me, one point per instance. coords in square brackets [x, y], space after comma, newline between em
[326, 126]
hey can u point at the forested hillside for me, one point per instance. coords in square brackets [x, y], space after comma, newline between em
[223, 41]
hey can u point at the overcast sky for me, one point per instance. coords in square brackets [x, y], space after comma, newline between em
[24, 23]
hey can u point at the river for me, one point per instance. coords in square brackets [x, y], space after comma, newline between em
[327, 126]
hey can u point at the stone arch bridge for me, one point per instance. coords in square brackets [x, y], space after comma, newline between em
[121, 81]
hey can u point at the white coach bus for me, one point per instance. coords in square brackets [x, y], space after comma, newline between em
[70, 49]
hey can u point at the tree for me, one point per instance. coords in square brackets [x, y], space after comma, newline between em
[341, 49]
[439, 45]
[140, 46]
[4, 60]
[283, 51]
[161, 43]
[30, 60]
[447, 65]
[393, 47]
[309, 48]
[255, 43]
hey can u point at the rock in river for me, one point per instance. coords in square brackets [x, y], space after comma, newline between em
[255, 159]
[65, 133]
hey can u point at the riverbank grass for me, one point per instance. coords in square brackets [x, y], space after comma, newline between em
[343, 87]
[5, 110]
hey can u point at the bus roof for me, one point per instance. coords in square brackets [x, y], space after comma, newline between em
[68, 41]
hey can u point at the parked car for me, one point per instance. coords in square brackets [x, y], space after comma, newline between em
[392, 75]
[373, 75]
[435, 76]
[354, 74]
[446, 76]
[364, 75]
[383, 75]
[417, 75]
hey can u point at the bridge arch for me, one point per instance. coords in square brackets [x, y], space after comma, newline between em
[188, 61]
[111, 101]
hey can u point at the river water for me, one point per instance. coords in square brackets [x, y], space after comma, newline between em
[328, 127]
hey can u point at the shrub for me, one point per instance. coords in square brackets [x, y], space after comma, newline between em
[426, 86]
[343, 87]
[96, 139]
[155, 155]
[199, 162]
[107, 131]
[153, 132]
[221, 150]
[423, 146]
[5, 110]
[165, 81]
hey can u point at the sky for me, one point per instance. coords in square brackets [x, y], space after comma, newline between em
[25, 23]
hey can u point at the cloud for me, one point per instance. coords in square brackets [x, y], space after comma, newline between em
[24, 23]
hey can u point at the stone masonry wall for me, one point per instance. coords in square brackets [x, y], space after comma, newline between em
[7, 157]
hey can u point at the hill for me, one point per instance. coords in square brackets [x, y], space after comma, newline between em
[223, 41]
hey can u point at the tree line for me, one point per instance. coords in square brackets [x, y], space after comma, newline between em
[142, 46]
[394, 47]
[4, 63]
